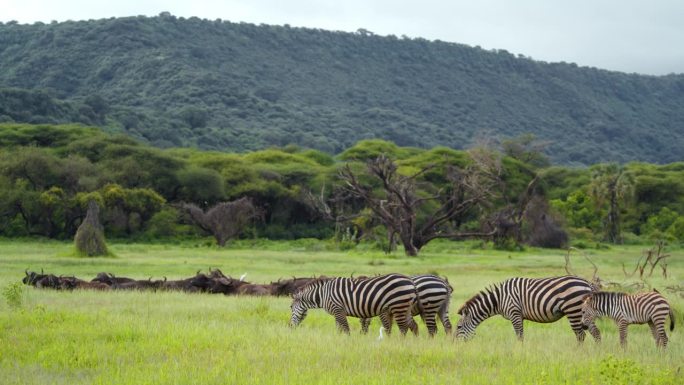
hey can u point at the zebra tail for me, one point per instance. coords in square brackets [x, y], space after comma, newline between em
[672, 321]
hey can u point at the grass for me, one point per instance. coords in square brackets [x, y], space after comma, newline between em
[176, 338]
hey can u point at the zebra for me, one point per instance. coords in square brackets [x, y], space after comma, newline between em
[434, 295]
[534, 299]
[389, 296]
[626, 309]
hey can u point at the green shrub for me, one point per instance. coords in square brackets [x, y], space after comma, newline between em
[13, 295]
[620, 371]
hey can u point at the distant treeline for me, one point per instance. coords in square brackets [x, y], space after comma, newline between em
[48, 173]
[186, 82]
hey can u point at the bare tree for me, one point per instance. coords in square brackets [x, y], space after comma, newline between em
[224, 220]
[595, 279]
[652, 258]
[341, 208]
[613, 184]
[415, 215]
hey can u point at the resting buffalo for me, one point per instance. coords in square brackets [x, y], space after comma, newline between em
[252, 289]
[49, 281]
[32, 277]
[110, 279]
[290, 286]
[71, 283]
[147, 284]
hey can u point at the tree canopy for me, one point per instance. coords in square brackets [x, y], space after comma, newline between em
[49, 173]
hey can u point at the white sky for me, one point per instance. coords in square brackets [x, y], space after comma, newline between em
[623, 35]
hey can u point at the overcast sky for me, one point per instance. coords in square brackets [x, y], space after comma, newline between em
[623, 35]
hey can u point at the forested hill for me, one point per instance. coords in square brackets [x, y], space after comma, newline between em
[220, 85]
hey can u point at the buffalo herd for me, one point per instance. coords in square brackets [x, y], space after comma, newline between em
[214, 282]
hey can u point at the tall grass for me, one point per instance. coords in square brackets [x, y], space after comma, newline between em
[176, 338]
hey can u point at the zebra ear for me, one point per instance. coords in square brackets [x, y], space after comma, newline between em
[587, 297]
[460, 311]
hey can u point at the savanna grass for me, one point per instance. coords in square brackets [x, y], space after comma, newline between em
[176, 338]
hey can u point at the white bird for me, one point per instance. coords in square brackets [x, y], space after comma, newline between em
[380, 336]
[242, 277]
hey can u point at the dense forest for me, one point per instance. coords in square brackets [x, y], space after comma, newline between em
[49, 173]
[216, 85]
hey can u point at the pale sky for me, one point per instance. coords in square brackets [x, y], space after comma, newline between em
[622, 35]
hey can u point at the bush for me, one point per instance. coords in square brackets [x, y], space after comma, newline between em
[164, 224]
[13, 295]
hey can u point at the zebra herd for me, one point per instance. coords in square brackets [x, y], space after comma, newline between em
[398, 297]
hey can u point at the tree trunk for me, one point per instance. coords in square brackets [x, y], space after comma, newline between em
[411, 248]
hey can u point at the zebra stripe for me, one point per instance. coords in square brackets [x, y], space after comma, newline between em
[434, 296]
[390, 296]
[626, 309]
[534, 299]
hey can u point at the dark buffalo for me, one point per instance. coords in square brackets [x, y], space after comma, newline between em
[290, 286]
[111, 279]
[32, 277]
[252, 289]
[49, 281]
[71, 283]
[147, 284]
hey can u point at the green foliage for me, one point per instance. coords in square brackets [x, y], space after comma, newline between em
[579, 210]
[49, 173]
[164, 225]
[201, 185]
[660, 222]
[13, 294]
[618, 371]
[219, 85]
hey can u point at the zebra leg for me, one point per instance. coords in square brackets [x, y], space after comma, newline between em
[517, 321]
[659, 333]
[622, 327]
[595, 332]
[444, 317]
[341, 320]
[654, 332]
[431, 322]
[413, 326]
[404, 319]
[575, 320]
[365, 322]
[386, 319]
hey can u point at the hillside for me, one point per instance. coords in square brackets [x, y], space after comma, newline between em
[220, 85]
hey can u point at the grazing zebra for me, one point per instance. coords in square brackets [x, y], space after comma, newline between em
[390, 296]
[434, 295]
[538, 300]
[625, 309]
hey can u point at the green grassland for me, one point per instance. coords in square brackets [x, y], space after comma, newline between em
[176, 338]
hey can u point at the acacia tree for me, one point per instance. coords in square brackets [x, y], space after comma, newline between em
[225, 220]
[418, 211]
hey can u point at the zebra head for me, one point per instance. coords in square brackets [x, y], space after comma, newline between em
[465, 328]
[474, 311]
[308, 297]
[589, 311]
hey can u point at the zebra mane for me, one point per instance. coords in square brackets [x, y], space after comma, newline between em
[610, 294]
[482, 293]
[314, 282]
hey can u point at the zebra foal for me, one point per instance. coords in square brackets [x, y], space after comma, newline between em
[626, 309]
[389, 296]
[434, 296]
[534, 299]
